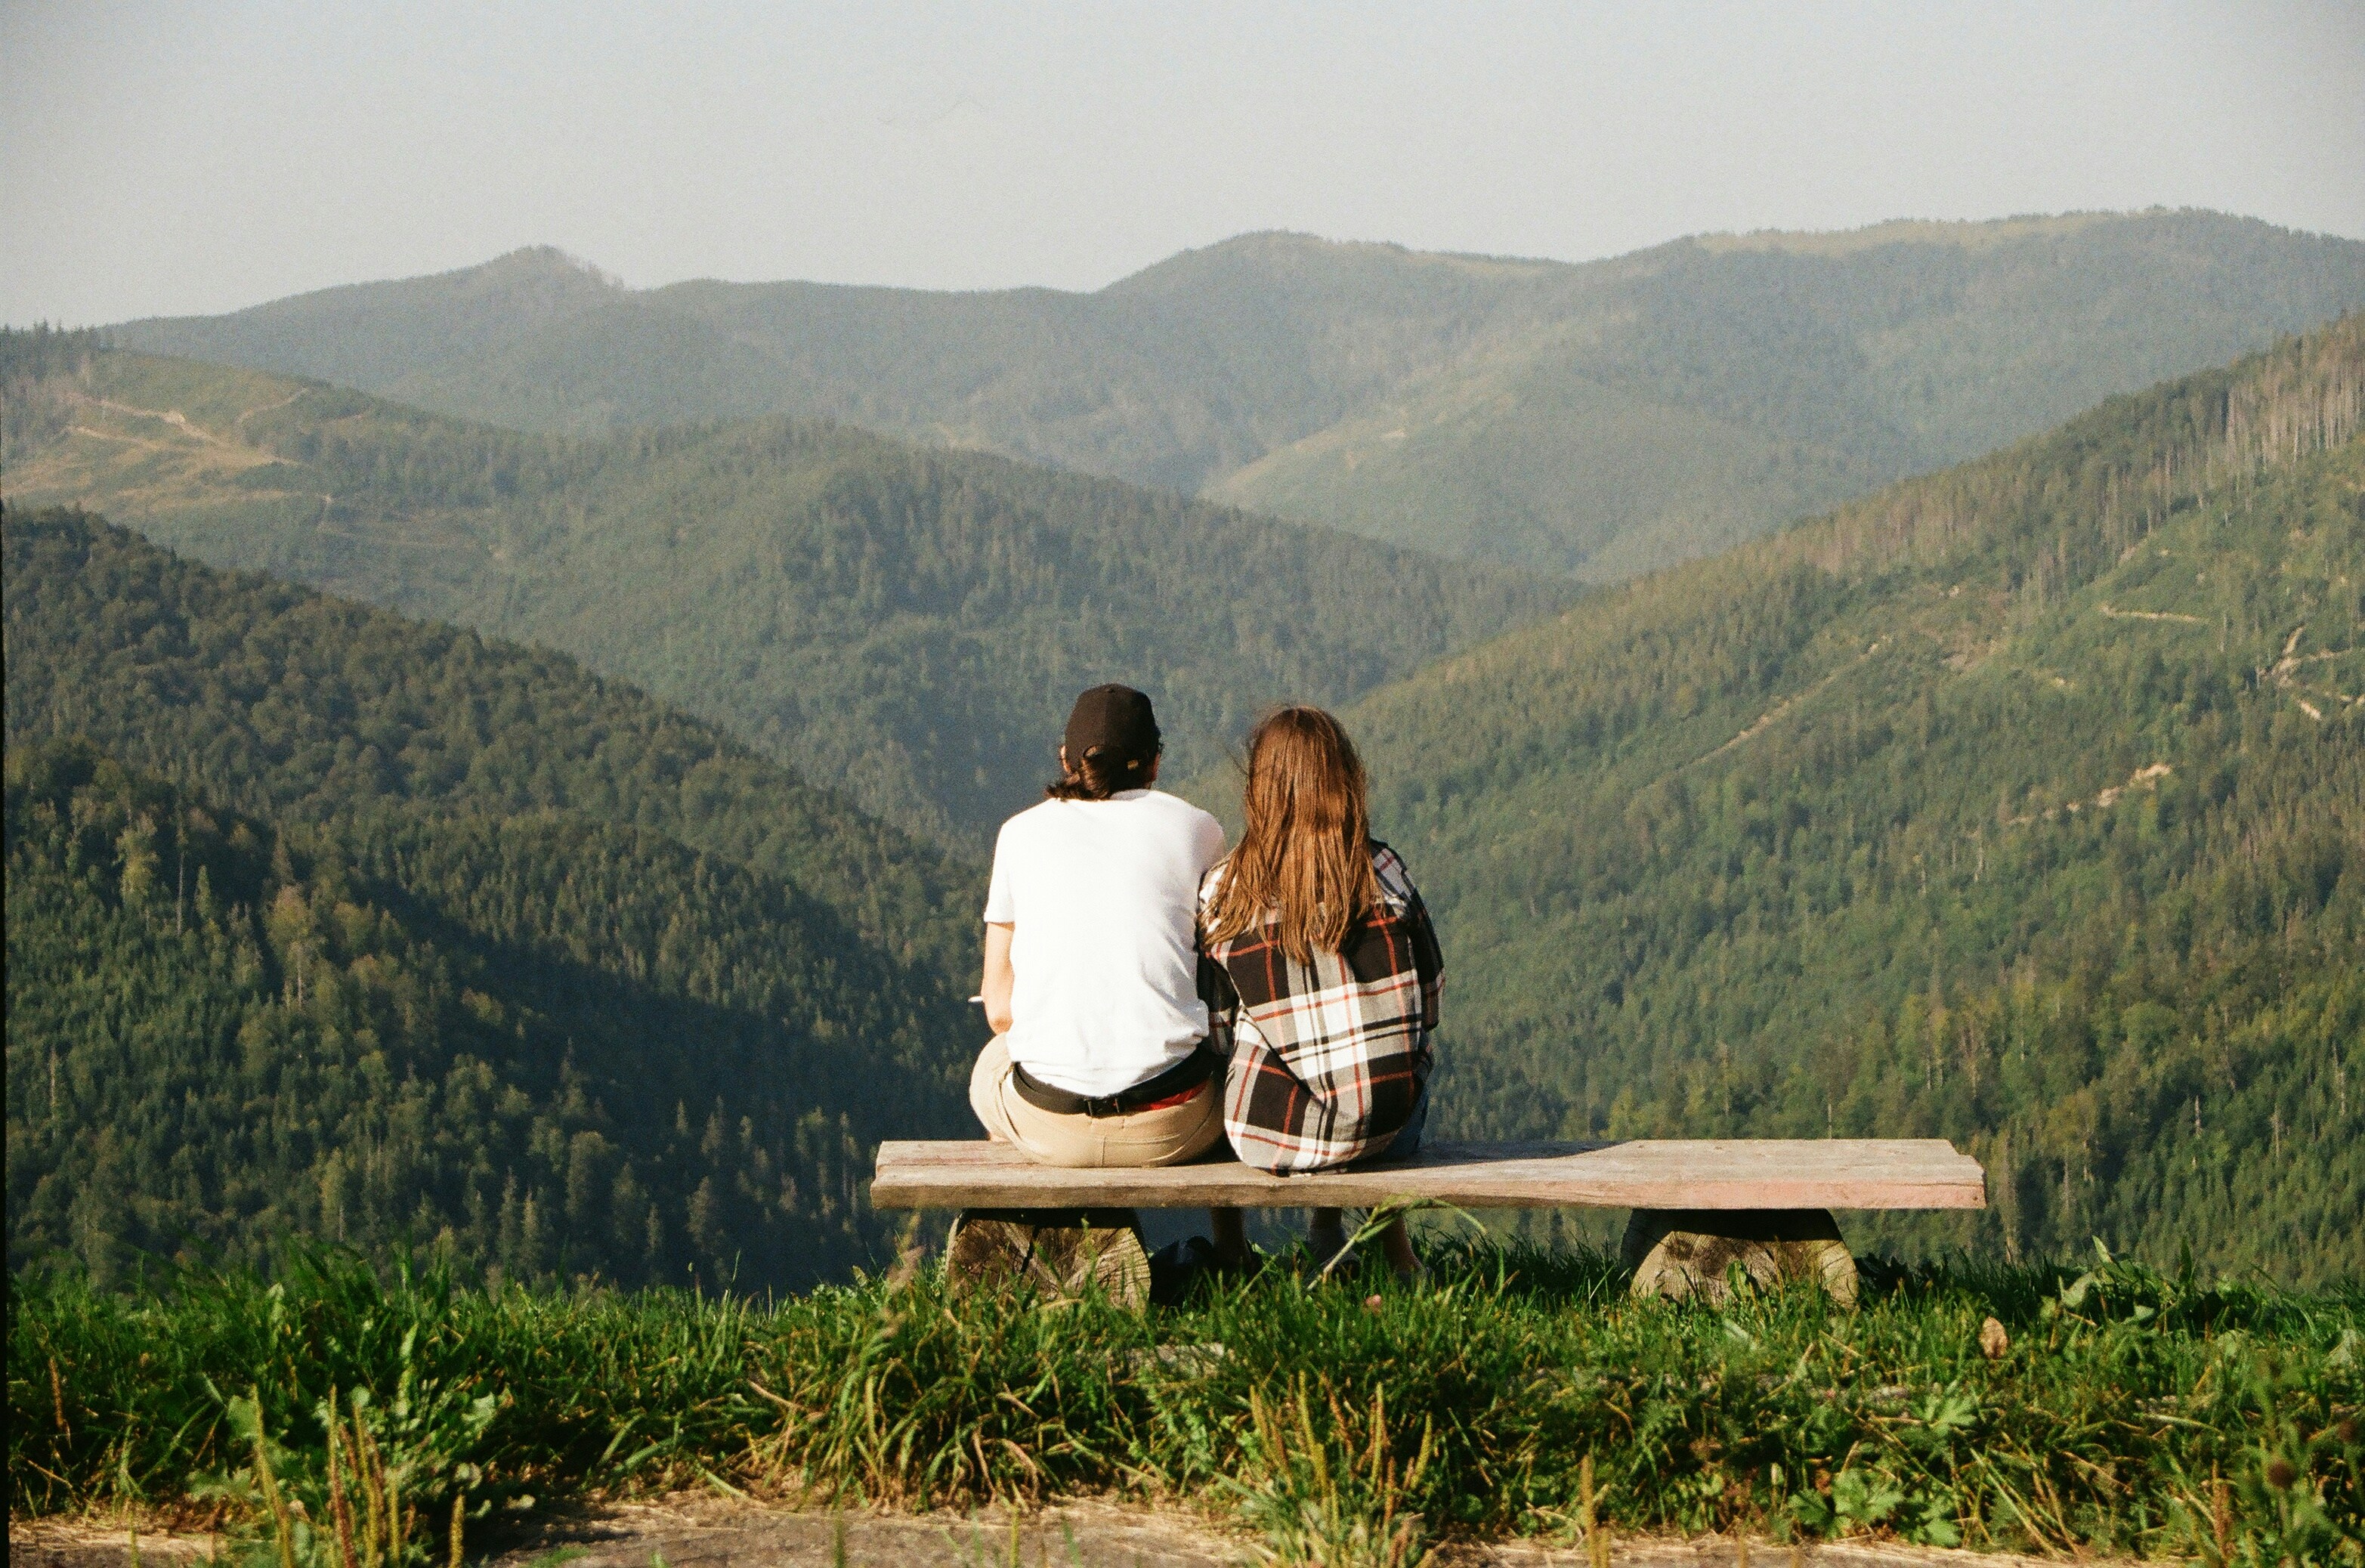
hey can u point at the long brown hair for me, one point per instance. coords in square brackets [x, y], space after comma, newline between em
[1304, 858]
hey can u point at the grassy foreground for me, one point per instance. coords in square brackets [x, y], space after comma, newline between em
[1520, 1392]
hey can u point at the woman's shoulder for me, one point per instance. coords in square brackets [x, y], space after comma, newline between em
[1396, 882]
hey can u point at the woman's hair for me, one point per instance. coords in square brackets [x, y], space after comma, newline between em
[1304, 858]
[1101, 772]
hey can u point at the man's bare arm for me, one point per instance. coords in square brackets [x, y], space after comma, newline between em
[999, 979]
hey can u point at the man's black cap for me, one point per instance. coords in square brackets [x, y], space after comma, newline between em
[1115, 717]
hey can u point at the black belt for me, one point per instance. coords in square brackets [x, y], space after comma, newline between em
[1189, 1073]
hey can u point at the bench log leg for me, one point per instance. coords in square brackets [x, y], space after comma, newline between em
[1058, 1251]
[1677, 1253]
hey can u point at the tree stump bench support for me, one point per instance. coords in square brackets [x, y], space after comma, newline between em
[1700, 1206]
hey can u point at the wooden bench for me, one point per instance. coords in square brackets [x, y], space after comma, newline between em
[1699, 1204]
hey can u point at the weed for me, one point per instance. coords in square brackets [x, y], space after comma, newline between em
[1333, 1492]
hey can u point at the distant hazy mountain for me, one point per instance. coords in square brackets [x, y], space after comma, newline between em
[905, 623]
[2022, 805]
[1601, 418]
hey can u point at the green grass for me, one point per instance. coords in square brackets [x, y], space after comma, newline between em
[1519, 1392]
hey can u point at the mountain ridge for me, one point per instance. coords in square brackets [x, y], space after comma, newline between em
[1599, 418]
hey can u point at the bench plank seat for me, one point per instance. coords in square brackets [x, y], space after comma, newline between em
[1640, 1173]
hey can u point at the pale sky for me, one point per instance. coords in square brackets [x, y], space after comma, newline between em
[167, 159]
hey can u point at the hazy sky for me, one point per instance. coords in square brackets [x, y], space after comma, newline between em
[182, 158]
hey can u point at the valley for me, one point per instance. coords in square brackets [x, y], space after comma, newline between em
[906, 623]
[2016, 804]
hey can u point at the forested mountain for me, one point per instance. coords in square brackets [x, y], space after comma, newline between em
[323, 921]
[2022, 805]
[1601, 418]
[907, 625]
[1734, 384]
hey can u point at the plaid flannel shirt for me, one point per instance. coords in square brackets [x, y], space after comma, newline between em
[1326, 1059]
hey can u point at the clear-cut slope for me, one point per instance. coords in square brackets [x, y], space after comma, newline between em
[2021, 805]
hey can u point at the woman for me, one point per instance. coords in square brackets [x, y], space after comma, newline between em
[1090, 958]
[1324, 973]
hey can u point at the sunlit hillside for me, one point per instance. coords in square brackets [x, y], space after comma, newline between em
[1601, 418]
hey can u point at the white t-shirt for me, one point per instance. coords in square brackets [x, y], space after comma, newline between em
[1103, 896]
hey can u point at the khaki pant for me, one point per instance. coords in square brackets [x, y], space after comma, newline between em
[1167, 1135]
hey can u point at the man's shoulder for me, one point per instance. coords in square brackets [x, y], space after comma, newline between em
[1192, 825]
[1032, 823]
[1182, 808]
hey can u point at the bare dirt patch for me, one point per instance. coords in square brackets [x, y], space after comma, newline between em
[713, 1532]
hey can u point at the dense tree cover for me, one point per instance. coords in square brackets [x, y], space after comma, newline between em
[27, 358]
[1605, 418]
[378, 929]
[32, 353]
[909, 626]
[384, 930]
[2022, 805]
[275, 698]
[553, 1046]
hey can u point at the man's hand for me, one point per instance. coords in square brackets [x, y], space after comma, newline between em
[999, 979]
